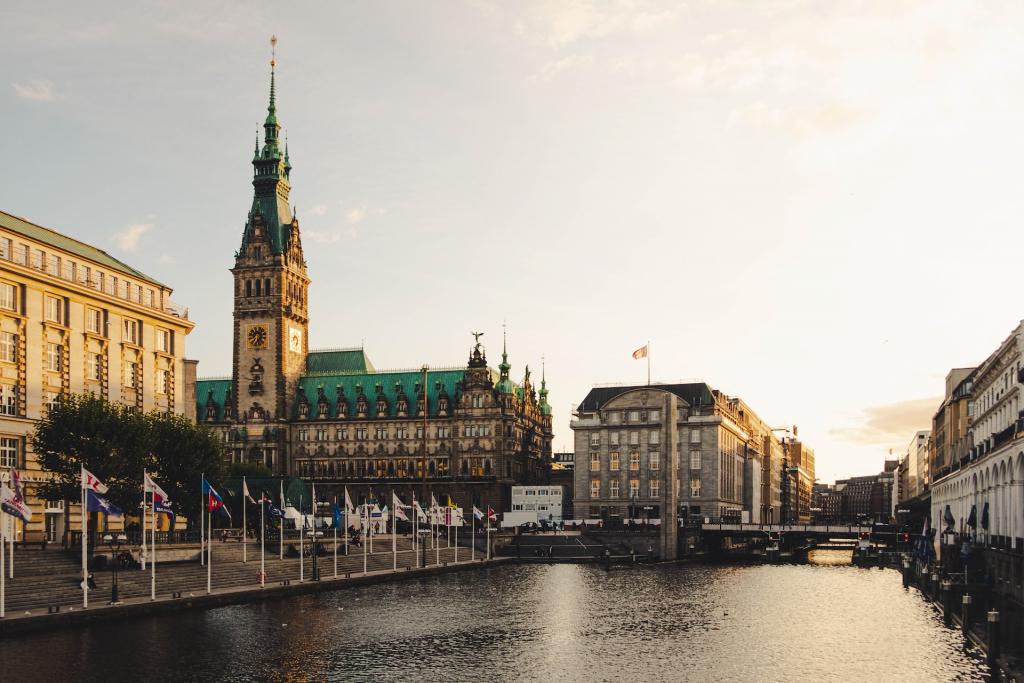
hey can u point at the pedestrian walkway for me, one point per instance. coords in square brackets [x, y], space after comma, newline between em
[50, 580]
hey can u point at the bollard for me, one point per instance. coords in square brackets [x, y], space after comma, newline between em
[935, 585]
[947, 602]
[993, 638]
[965, 619]
[906, 572]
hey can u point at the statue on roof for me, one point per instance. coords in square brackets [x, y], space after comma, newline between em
[476, 338]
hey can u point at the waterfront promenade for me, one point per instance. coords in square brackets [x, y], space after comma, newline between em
[46, 592]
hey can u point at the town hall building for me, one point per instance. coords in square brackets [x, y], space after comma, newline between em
[469, 432]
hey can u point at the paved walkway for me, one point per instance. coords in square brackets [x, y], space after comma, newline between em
[53, 597]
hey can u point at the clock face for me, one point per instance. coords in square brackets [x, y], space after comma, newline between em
[256, 337]
[295, 340]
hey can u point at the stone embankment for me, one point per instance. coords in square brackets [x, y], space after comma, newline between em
[46, 590]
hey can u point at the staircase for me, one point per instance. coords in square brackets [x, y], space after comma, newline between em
[53, 577]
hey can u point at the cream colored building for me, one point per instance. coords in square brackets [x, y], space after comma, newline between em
[73, 319]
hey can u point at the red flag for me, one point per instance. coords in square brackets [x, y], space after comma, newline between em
[640, 353]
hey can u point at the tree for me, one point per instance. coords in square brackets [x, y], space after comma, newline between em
[249, 469]
[106, 438]
[183, 453]
[117, 445]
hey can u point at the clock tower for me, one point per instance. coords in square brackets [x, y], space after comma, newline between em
[271, 288]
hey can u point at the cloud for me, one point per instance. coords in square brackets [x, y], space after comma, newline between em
[550, 70]
[36, 90]
[167, 258]
[323, 236]
[128, 239]
[890, 425]
[319, 210]
[356, 215]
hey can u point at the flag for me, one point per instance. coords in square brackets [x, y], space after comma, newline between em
[337, 516]
[972, 519]
[150, 486]
[947, 517]
[640, 353]
[214, 503]
[92, 483]
[477, 513]
[399, 511]
[420, 514]
[451, 503]
[492, 516]
[97, 503]
[984, 516]
[161, 505]
[433, 504]
[160, 502]
[350, 509]
[272, 510]
[245, 492]
[12, 499]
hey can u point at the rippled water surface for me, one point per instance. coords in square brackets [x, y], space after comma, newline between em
[537, 622]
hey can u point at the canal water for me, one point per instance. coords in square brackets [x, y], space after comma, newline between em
[816, 622]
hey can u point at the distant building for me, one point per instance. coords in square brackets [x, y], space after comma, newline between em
[951, 424]
[916, 467]
[563, 461]
[800, 467]
[533, 504]
[630, 451]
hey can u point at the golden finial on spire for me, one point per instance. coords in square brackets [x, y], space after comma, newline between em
[273, 51]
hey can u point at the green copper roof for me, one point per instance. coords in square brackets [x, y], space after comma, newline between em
[338, 361]
[369, 380]
[220, 389]
[71, 245]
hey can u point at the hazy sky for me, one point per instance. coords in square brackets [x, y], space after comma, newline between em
[811, 205]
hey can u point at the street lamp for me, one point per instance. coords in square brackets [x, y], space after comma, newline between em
[114, 542]
[314, 537]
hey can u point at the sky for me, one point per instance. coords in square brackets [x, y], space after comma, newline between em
[813, 206]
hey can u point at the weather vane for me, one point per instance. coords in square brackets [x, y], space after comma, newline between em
[273, 51]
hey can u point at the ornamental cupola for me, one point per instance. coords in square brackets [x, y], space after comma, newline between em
[545, 407]
[504, 385]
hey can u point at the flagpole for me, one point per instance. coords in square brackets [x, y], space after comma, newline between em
[202, 523]
[85, 551]
[437, 541]
[472, 534]
[145, 523]
[152, 547]
[366, 510]
[3, 574]
[280, 525]
[415, 532]
[394, 534]
[487, 519]
[209, 551]
[302, 531]
[456, 538]
[263, 539]
[245, 492]
[648, 362]
[335, 539]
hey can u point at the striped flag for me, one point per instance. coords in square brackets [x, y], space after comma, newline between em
[640, 353]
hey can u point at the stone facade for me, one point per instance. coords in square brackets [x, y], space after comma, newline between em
[75, 320]
[467, 432]
[632, 458]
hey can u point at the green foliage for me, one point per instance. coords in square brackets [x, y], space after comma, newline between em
[117, 445]
[249, 469]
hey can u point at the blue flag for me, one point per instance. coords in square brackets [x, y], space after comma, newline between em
[337, 516]
[97, 503]
[272, 509]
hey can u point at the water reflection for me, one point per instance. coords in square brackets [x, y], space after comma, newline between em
[559, 622]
